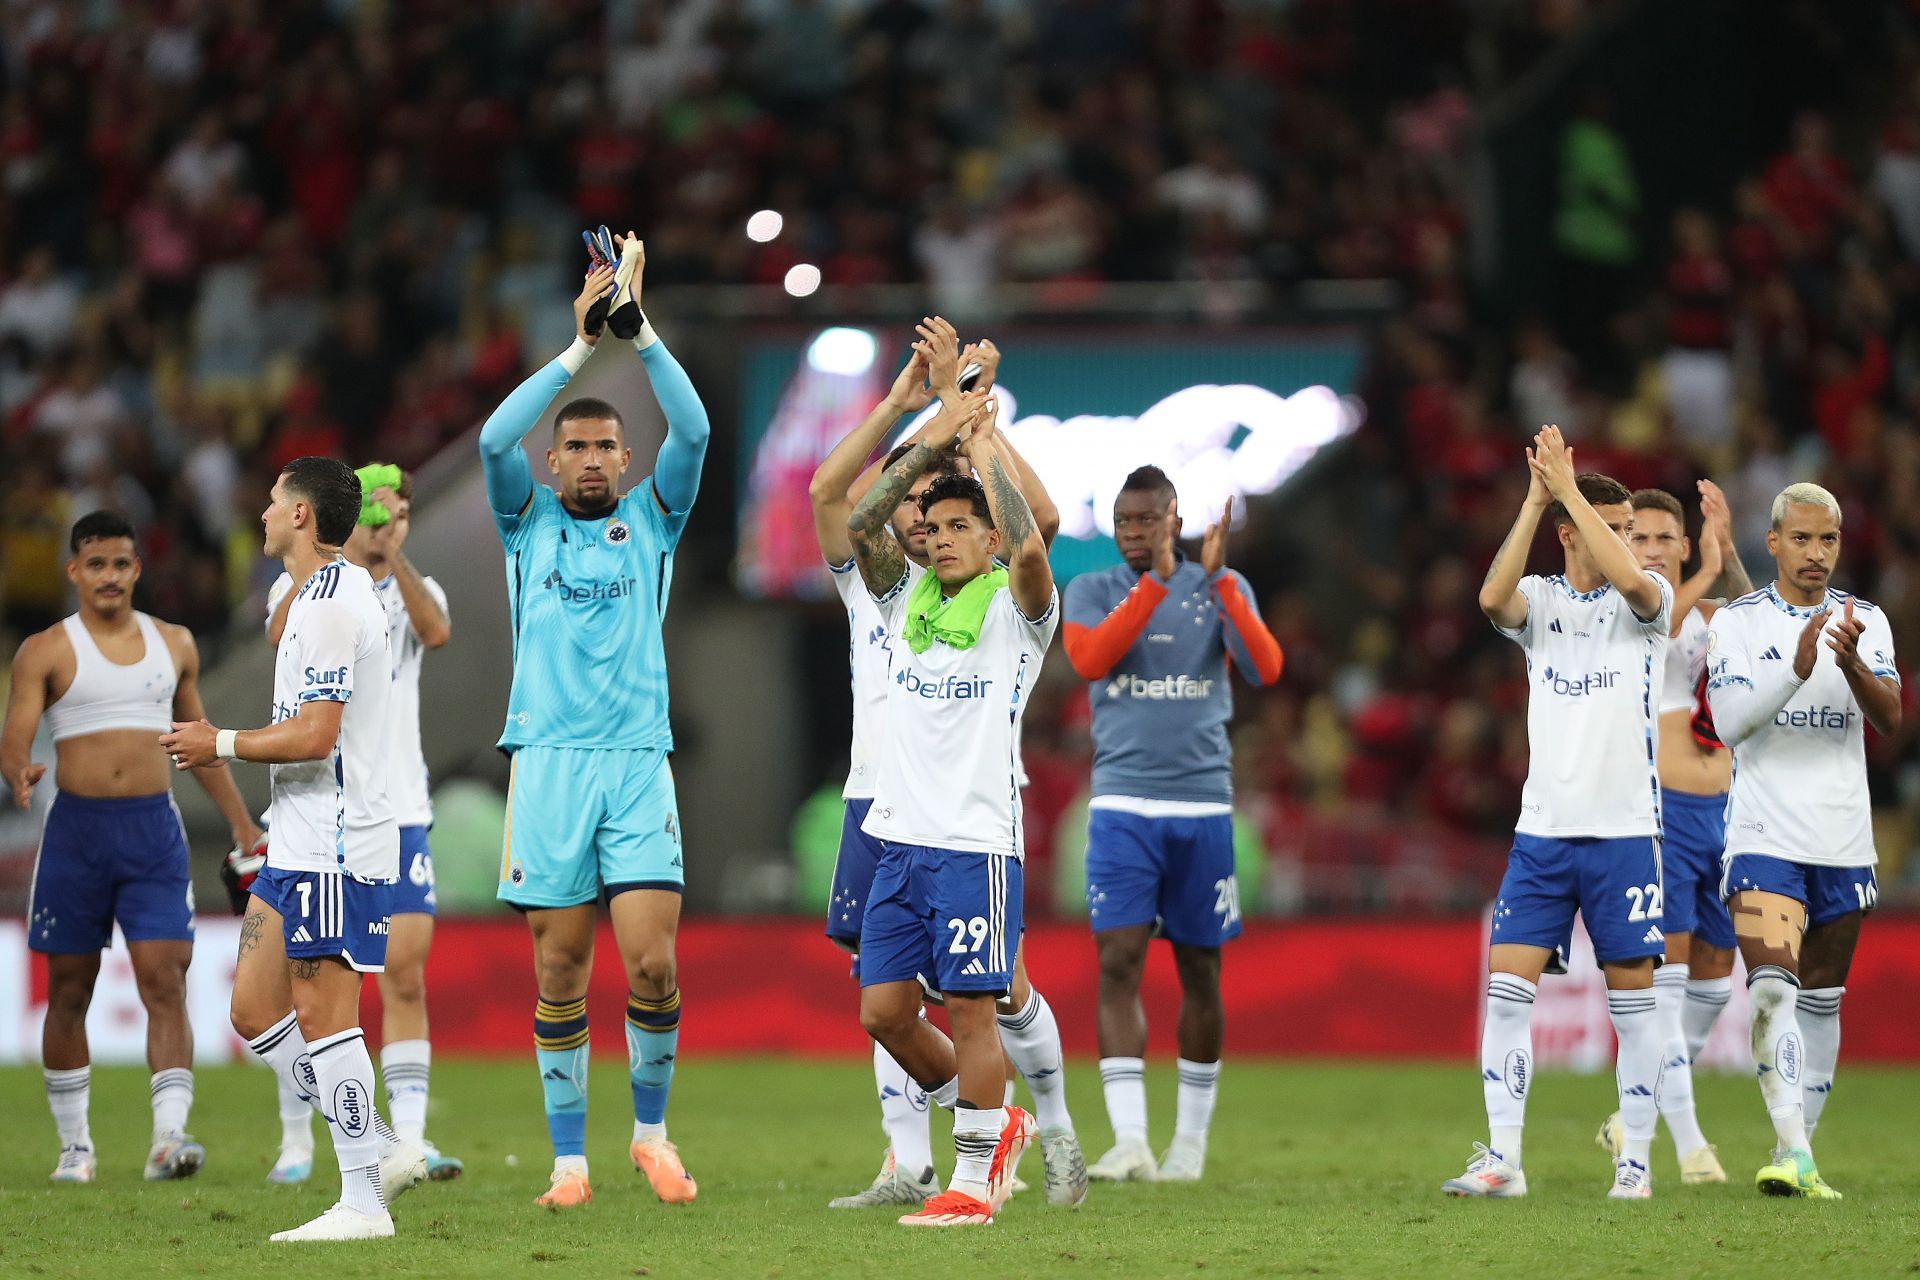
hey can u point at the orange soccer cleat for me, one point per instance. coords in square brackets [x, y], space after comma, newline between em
[951, 1209]
[1014, 1141]
[660, 1161]
[569, 1191]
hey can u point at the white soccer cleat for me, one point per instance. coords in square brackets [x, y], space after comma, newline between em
[891, 1186]
[1066, 1167]
[175, 1156]
[1127, 1162]
[292, 1168]
[1701, 1166]
[76, 1165]
[1631, 1181]
[1184, 1161]
[1612, 1137]
[1487, 1177]
[339, 1223]
[402, 1166]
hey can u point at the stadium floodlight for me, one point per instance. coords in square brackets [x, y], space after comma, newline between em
[764, 226]
[849, 352]
[802, 279]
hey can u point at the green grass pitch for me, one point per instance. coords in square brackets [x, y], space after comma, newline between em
[1316, 1169]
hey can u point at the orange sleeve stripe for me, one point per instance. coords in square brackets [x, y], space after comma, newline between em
[1093, 651]
[1261, 646]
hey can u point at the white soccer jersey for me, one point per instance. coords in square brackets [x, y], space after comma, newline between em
[1591, 664]
[1799, 780]
[407, 778]
[868, 655]
[334, 814]
[948, 775]
[1686, 659]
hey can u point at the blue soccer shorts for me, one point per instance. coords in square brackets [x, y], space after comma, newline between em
[328, 913]
[1176, 872]
[107, 860]
[853, 869]
[583, 821]
[413, 894]
[954, 917]
[1828, 893]
[1694, 834]
[1614, 884]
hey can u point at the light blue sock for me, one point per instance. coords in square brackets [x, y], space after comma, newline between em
[560, 1047]
[653, 1035]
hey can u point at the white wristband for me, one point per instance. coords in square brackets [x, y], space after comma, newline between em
[646, 337]
[223, 743]
[576, 355]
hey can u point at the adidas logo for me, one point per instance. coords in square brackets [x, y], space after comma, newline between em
[301, 935]
[974, 969]
[1638, 1091]
[1654, 935]
[1556, 628]
[555, 1073]
[1771, 655]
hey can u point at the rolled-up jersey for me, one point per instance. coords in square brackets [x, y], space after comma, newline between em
[1591, 726]
[334, 814]
[1799, 748]
[948, 775]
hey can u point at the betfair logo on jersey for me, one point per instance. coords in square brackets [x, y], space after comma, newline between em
[1568, 686]
[951, 689]
[618, 589]
[1165, 689]
[1840, 718]
[330, 678]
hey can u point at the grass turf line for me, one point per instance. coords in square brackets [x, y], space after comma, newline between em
[1314, 1169]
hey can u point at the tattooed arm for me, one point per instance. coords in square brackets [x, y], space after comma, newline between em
[1500, 597]
[882, 564]
[1025, 551]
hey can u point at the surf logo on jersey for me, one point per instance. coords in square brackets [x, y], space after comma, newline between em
[1822, 717]
[618, 589]
[332, 677]
[1572, 686]
[951, 689]
[1164, 689]
[618, 532]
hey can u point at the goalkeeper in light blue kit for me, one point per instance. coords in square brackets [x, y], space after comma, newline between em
[590, 809]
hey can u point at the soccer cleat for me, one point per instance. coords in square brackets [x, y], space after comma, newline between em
[1631, 1181]
[951, 1209]
[175, 1156]
[339, 1223]
[292, 1168]
[891, 1186]
[1488, 1177]
[76, 1165]
[1792, 1174]
[1184, 1161]
[441, 1168]
[402, 1167]
[660, 1161]
[569, 1190]
[1701, 1166]
[1612, 1137]
[1015, 1137]
[1066, 1167]
[1127, 1162]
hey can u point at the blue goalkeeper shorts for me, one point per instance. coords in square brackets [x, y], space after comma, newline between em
[583, 821]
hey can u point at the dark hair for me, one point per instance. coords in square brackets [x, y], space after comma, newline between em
[101, 524]
[964, 488]
[1659, 500]
[333, 491]
[1149, 479]
[945, 462]
[587, 407]
[1598, 490]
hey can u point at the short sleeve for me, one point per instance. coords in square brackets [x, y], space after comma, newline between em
[1728, 665]
[893, 603]
[1662, 620]
[846, 580]
[1038, 630]
[275, 594]
[328, 636]
[1876, 646]
[1529, 590]
[439, 595]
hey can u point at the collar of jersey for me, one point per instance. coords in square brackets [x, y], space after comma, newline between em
[1589, 596]
[1797, 610]
[338, 558]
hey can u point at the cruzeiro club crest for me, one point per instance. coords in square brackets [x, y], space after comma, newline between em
[618, 532]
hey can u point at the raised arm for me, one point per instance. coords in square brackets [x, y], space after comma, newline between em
[1695, 589]
[1045, 514]
[882, 563]
[1030, 573]
[509, 478]
[1876, 683]
[1552, 458]
[1500, 597]
[831, 488]
[1250, 645]
[217, 783]
[1717, 523]
[676, 471]
[26, 702]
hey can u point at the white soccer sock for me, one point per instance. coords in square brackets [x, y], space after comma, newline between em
[172, 1093]
[1674, 1092]
[1706, 999]
[404, 1068]
[283, 1048]
[1031, 1038]
[1778, 1052]
[1124, 1080]
[1819, 1017]
[344, 1074]
[903, 1114]
[1193, 1112]
[975, 1134]
[947, 1095]
[1506, 1062]
[1642, 1035]
[67, 1094]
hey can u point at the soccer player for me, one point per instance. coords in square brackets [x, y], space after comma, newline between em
[1160, 823]
[1588, 835]
[1691, 988]
[321, 907]
[107, 680]
[1800, 854]
[967, 638]
[590, 808]
[417, 621]
[1029, 1032]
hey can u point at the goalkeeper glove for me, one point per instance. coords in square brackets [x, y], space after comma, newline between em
[238, 870]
